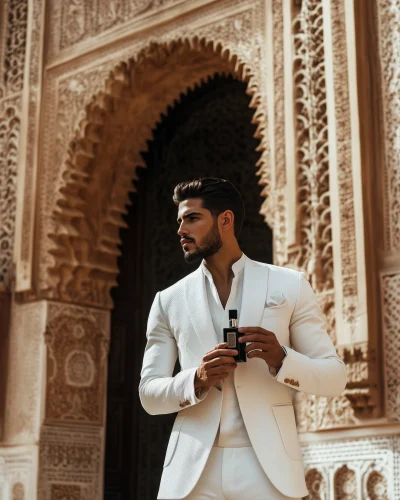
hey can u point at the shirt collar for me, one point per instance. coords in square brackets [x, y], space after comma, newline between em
[237, 266]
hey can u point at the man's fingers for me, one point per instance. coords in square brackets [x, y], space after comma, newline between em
[217, 370]
[220, 353]
[258, 337]
[223, 360]
[255, 329]
[257, 345]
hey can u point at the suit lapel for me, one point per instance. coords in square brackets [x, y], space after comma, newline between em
[198, 310]
[255, 289]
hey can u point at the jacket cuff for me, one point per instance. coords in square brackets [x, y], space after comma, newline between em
[286, 374]
[189, 391]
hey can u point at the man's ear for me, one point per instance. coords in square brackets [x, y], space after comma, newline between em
[227, 220]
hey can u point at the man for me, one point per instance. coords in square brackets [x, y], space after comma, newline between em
[235, 434]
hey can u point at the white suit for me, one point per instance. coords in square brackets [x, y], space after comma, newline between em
[277, 299]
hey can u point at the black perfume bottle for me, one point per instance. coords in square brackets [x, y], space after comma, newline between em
[231, 336]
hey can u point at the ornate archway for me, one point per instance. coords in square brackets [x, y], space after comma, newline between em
[101, 163]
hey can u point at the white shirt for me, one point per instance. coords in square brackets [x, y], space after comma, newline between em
[232, 431]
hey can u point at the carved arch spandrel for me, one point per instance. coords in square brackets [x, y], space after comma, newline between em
[103, 157]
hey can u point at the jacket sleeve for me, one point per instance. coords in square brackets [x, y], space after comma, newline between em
[312, 365]
[159, 392]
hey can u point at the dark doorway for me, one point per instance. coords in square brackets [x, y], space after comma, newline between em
[208, 133]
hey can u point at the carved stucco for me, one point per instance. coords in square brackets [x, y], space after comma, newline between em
[353, 468]
[9, 140]
[80, 254]
[389, 18]
[77, 341]
[391, 343]
[70, 463]
[12, 59]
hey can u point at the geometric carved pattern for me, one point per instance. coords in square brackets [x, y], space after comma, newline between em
[344, 156]
[70, 463]
[366, 468]
[391, 343]
[315, 413]
[92, 201]
[77, 344]
[389, 17]
[9, 139]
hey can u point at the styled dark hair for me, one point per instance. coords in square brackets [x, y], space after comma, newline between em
[218, 195]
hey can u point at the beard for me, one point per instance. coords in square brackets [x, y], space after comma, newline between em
[210, 245]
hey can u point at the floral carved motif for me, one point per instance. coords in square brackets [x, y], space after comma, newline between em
[314, 252]
[81, 20]
[77, 347]
[15, 18]
[9, 140]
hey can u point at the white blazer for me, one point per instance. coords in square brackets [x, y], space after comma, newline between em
[275, 298]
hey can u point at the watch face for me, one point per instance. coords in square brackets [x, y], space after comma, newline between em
[231, 339]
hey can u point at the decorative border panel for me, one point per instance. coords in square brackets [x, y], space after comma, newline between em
[389, 17]
[353, 469]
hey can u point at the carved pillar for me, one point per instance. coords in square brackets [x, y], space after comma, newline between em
[72, 436]
[28, 153]
[389, 46]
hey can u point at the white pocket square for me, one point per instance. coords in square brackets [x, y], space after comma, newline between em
[275, 300]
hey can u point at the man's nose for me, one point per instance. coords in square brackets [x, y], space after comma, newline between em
[181, 230]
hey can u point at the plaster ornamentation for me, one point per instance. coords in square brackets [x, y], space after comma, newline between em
[82, 267]
[28, 158]
[76, 363]
[356, 468]
[70, 463]
[314, 413]
[314, 251]
[315, 484]
[279, 95]
[13, 46]
[391, 343]
[389, 17]
[345, 484]
[10, 125]
[344, 151]
[80, 20]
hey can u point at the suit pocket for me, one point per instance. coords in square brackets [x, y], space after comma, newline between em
[284, 416]
[173, 440]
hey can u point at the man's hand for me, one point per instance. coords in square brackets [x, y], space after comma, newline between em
[215, 366]
[264, 345]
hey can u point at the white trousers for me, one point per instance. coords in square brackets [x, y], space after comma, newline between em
[234, 474]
